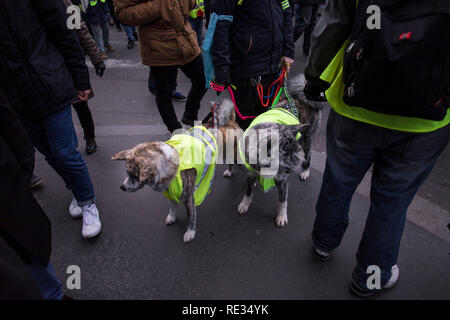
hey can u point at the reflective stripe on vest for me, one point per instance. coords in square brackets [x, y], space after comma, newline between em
[93, 3]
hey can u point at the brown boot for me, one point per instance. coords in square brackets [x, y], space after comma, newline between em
[109, 48]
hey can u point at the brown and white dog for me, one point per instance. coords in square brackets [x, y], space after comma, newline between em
[156, 164]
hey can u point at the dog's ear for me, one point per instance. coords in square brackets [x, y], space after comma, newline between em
[145, 174]
[122, 155]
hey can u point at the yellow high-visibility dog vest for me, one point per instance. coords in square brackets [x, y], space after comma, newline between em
[276, 115]
[197, 148]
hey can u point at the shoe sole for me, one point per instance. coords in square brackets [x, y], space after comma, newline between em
[357, 292]
[37, 184]
[91, 151]
[92, 236]
[319, 257]
[179, 100]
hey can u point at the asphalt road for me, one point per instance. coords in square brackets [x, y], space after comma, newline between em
[233, 257]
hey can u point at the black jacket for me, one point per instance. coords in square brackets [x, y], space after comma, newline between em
[41, 62]
[253, 44]
[23, 224]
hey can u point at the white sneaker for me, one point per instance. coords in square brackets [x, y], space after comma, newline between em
[74, 210]
[91, 221]
[395, 274]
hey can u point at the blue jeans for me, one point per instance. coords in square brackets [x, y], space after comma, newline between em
[55, 137]
[101, 34]
[47, 281]
[197, 25]
[129, 31]
[401, 163]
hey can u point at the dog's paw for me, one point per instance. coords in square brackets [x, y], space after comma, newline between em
[170, 219]
[244, 205]
[228, 173]
[304, 175]
[281, 220]
[189, 235]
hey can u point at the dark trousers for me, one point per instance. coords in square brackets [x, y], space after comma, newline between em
[85, 117]
[164, 78]
[401, 163]
[151, 81]
[197, 26]
[247, 99]
[305, 21]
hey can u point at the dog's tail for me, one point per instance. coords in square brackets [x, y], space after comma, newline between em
[295, 88]
[225, 113]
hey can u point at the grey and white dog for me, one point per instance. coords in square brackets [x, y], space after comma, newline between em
[289, 149]
[156, 164]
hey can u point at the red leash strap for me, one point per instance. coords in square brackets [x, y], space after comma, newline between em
[220, 88]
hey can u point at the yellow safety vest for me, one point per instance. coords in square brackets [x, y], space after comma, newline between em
[93, 3]
[333, 74]
[197, 148]
[276, 115]
[199, 6]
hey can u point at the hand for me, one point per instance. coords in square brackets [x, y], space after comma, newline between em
[313, 93]
[287, 62]
[84, 95]
[100, 68]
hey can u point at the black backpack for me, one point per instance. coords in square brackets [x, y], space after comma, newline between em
[403, 68]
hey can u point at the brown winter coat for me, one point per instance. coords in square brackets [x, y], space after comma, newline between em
[165, 34]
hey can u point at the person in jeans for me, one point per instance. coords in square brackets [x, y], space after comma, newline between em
[97, 17]
[168, 43]
[305, 21]
[24, 227]
[82, 107]
[196, 20]
[51, 75]
[131, 36]
[401, 150]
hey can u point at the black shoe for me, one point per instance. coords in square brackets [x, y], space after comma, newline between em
[321, 255]
[91, 145]
[187, 122]
[151, 88]
[356, 290]
[35, 181]
[178, 97]
[130, 44]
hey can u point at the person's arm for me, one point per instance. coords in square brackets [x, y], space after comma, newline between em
[220, 50]
[333, 28]
[86, 40]
[52, 14]
[136, 13]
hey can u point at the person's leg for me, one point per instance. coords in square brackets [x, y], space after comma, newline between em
[400, 169]
[47, 281]
[350, 153]
[105, 33]
[302, 19]
[310, 29]
[62, 140]
[37, 133]
[194, 71]
[98, 37]
[85, 117]
[163, 78]
[129, 32]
